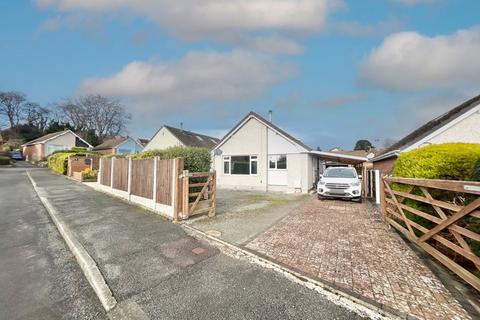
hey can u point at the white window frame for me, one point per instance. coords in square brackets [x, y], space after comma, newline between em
[275, 157]
[225, 159]
[252, 158]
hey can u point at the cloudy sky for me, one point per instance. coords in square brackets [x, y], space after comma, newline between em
[332, 71]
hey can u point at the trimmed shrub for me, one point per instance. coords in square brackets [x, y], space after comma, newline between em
[4, 161]
[195, 159]
[449, 161]
[58, 162]
[475, 172]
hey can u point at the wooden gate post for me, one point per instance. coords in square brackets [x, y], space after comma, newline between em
[213, 209]
[186, 197]
[383, 204]
[177, 187]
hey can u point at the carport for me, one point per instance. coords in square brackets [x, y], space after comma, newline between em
[335, 159]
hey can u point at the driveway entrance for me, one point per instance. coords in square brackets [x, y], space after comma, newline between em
[345, 245]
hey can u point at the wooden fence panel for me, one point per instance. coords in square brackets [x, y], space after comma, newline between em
[164, 181]
[443, 228]
[199, 195]
[142, 178]
[120, 174]
[105, 173]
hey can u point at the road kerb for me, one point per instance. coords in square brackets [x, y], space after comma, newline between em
[336, 296]
[86, 262]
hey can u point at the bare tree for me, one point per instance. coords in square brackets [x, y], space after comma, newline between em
[105, 116]
[37, 116]
[12, 106]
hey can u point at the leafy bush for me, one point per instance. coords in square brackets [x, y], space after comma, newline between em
[475, 172]
[58, 162]
[195, 159]
[4, 160]
[89, 174]
[449, 161]
[79, 149]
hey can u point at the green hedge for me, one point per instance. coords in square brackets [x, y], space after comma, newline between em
[58, 162]
[450, 161]
[195, 159]
[4, 160]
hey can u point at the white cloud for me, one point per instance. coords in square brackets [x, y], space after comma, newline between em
[199, 77]
[409, 61]
[194, 19]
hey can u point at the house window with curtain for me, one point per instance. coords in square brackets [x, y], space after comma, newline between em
[240, 165]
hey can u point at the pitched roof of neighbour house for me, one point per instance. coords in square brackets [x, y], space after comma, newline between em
[429, 128]
[143, 142]
[111, 143]
[269, 124]
[51, 136]
[192, 139]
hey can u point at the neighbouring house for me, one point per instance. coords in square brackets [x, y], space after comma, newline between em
[40, 148]
[143, 142]
[461, 124]
[167, 137]
[121, 145]
[258, 155]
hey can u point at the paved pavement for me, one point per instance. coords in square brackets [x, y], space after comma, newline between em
[154, 265]
[242, 215]
[341, 243]
[39, 277]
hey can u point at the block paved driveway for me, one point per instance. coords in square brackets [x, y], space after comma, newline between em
[343, 244]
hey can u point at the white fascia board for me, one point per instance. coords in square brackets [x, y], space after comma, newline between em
[442, 129]
[338, 155]
[266, 124]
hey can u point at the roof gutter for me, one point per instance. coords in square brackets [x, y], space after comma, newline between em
[393, 153]
[338, 155]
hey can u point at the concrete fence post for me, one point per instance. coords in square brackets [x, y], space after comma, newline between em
[129, 182]
[112, 166]
[99, 174]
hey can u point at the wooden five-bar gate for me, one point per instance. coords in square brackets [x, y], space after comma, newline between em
[161, 185]
[442, 217]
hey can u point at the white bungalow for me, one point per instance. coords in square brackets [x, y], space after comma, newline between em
[257, 155]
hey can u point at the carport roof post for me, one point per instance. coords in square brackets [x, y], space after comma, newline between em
[337, 157]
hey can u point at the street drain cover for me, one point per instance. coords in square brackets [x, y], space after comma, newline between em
[214, 233]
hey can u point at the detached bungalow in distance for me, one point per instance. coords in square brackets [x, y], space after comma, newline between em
[257, 155]
[40, 148]
[122, 145]
[167, 137]
[461, 124]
